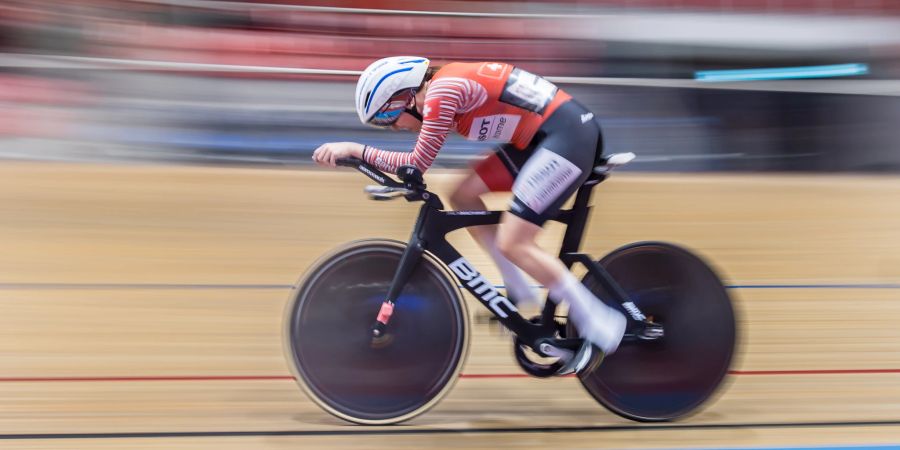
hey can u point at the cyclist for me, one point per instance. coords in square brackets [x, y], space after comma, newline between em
[547, 146]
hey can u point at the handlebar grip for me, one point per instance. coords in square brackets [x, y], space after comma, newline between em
[349, 162]
[368, 171]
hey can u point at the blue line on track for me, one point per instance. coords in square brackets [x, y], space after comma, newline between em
[816, 286]
[850, 447]
[790, 286]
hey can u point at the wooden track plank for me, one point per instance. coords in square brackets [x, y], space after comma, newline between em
[172, 332]
[168, 407]
[618, 439]
[210, 225]
[160, 243]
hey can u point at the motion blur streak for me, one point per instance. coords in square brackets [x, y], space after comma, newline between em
[158, 205]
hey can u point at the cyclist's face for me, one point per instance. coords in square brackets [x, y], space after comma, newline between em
[407, 122]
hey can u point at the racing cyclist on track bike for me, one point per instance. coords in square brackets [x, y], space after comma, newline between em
[548, 146]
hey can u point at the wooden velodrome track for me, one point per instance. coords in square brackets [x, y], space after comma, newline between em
[142, 308]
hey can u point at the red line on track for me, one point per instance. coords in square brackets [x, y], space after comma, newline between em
[159, 378]
[732, 372]
[812, 372]
[468, 376]
[506, 375]
[494, 375]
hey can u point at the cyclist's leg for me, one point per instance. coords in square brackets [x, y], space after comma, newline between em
[598, 323]
[491, 176]
[560, 165]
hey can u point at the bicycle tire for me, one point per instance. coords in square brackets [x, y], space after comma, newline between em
[663, 380]
[327, 337]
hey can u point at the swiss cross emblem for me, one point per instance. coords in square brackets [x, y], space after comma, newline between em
[492, 70]
[432, 109]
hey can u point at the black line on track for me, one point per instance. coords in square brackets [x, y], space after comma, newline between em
[399, 430]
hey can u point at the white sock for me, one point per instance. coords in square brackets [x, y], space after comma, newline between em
[517, 286]
[596, 322]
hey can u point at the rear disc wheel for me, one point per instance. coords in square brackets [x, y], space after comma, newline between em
[670, 377]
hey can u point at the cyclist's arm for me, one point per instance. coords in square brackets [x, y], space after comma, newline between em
[445, 98]
[435, 128]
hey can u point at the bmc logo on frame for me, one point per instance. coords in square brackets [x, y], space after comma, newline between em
[482, 288]
[494, 128]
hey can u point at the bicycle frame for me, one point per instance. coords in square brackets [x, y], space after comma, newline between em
[434, 223]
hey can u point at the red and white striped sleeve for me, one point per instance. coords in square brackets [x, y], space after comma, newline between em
[446, 97]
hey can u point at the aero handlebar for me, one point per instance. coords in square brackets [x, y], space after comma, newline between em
[411, 185]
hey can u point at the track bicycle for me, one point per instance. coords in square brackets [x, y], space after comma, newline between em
[376, 331]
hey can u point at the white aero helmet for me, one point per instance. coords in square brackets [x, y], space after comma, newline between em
[387, 86]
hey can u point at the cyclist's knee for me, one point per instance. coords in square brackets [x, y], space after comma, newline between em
[516, 237]
[508, 245]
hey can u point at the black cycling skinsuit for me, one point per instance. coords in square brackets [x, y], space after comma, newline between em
[557, 162]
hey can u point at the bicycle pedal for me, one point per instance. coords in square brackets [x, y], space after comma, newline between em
[580, 361]
[557, 352]
[646, 331]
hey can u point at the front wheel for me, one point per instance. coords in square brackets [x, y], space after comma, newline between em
[671, 377]
[328, 340]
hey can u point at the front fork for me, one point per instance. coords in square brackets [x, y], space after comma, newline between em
[408, 263]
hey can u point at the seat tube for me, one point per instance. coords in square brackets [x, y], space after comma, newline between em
[576, 223]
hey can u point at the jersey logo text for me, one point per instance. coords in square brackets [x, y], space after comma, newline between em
[494, 128]
[545, 176]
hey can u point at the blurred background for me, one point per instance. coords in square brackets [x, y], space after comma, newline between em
[266, 82]
[157, 267]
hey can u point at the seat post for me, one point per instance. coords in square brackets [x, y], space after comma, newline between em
[577, 222]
